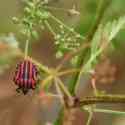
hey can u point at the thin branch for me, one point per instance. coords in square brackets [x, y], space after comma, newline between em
[75, 78]
[26, 49]
[107, 111]
[100, 13]
[50, 28]
[46, 81]
[67, 27]
[64, 89]
[59, 91]
[89, 118]
[68, 71]
[69, 55]
[103, 5]
[100, 99]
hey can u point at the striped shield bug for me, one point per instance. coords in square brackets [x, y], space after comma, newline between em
[26, 76]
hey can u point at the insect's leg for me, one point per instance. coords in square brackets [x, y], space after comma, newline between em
[18, 89]
[25, 90]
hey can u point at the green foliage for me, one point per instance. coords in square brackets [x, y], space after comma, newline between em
[103, 39]
[37, 16]
[66, 41]
[34, 16]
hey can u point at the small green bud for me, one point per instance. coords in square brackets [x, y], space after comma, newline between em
[34, 34]
[78, 36]
[61, 26]
[31, 4]
[69, 39]
[25, 21]
[59, 54]
[15, 20]
[57, 36]
[74, 60]
[57, 42]
[45, 15]
[27, 10]
[72, 29]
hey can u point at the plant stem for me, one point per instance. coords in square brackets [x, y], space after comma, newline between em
[65, 26]
[100, 99]
[106, 111]
[26, 48]
[50, 28]
[57, 9]
[69, 55]
[64, 89]
[89, 118]
[68, 71]
[100, 13]
[42, 67]
[75, 79]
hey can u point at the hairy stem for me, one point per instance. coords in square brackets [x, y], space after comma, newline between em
[100, 99]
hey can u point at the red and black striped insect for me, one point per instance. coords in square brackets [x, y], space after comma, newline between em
[26, 76]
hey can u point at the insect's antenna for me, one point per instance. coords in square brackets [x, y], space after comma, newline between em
[26, 48]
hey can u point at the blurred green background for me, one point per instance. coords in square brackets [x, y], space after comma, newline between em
[20, 110]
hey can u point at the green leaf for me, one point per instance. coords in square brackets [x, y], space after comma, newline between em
[96, 40]
[103, 36]
[34, 34]
[116, 26]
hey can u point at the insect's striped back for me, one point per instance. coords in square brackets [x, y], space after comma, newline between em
[26, 75]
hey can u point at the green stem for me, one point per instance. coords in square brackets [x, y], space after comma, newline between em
[65, 26]
[101, 99]
[57, 9]
[100, 13]
[103, 5]
[76, 77]
[89, 118]
[108, 111]
[50, 28]
[59, 120]
[26, 48]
